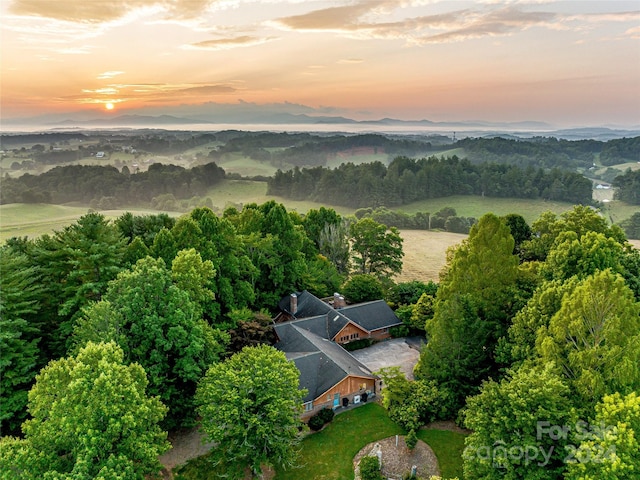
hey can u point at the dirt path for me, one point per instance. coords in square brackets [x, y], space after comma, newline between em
[185, 445]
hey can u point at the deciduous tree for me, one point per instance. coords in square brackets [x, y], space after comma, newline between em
[475, 299]
[91, 418]
[508, 442]
[376, 249]
[609, 447]
[594, 338]
[250, 407]
[156, 325]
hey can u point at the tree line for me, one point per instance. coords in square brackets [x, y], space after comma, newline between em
[84, 183]
[406, 180]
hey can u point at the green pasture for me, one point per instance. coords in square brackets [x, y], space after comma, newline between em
[476, 206]
[616, 211]
[246, 166]
[34, 220]
[241, 192]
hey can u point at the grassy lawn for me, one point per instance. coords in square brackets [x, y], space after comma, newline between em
[329, 454]
[448, 447]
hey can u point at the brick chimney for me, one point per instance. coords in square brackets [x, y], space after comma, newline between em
[293, 303]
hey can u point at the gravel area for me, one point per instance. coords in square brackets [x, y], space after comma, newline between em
[397, 461]
[400, 352]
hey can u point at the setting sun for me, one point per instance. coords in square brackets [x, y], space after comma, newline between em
[108, 106]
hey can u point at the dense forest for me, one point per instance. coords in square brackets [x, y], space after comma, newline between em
[628, 187]
[108, 188]
[228, 272]
[146, 320]
[407, 180]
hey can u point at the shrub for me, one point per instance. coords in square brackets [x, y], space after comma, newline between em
[315, 423]
[370, 469]
[358, 344]
[411, 439]
[326, 414]
[321, 418]
[399, 331]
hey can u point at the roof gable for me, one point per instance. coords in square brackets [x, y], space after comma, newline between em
[371, 315]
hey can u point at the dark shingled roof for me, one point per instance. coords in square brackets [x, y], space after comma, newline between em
[322, 363]
[308, 305]
[371, 315]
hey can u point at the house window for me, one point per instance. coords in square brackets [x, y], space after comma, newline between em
[354, 335]
[308, 406]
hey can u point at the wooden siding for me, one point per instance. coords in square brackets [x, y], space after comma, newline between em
[349, 333]
[347, 388]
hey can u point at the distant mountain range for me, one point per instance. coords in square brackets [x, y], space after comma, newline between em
[277, 116]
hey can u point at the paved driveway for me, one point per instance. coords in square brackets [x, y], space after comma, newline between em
[400, 352]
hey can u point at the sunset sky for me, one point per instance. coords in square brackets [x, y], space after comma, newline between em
[568, 63]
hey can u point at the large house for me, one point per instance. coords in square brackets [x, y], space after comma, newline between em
[311, 331]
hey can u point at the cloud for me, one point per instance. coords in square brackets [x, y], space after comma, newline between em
[102, 91]
[359, 20]
[366, 20]
[103, 11]
[333, 18]
[206, 90]
[633, 32]
[149, 92]
[227, 43]
[350, 60]
[109, 74]
[84, 50]
[497, 22]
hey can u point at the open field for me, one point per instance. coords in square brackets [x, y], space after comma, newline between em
[36, 219]
[33, 220]
[425, 254]
[246, 166]
[476, 206]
